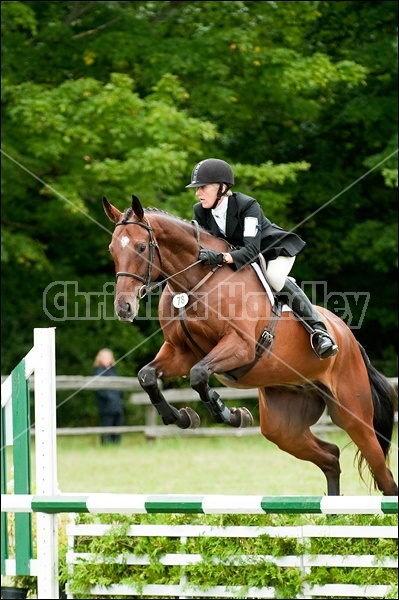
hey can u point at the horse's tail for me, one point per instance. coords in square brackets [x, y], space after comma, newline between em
[383, 394]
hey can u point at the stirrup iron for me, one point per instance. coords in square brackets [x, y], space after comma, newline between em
[334, 348]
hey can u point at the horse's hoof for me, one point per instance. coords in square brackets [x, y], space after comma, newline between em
[188, 419]
[241, 417]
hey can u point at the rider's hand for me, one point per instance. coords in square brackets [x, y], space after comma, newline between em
[210, 257]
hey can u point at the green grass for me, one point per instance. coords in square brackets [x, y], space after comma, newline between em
[246, 465]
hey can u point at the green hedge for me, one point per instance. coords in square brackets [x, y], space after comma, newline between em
[287, 581]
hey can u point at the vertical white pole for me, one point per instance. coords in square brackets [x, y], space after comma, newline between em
[46, 460]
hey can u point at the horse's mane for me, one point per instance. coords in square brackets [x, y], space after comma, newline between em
[164, 212]
[129, 211]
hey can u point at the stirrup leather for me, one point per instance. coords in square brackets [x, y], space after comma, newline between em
[334, 347]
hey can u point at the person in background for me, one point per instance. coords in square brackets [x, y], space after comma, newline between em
[239, 219]
[109, 402]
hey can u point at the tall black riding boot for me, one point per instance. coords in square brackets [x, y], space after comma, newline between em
[322, 343]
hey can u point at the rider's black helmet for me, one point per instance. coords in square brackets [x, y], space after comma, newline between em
[211, 170]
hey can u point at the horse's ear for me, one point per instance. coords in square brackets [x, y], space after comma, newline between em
[137, 208]
[112, 213]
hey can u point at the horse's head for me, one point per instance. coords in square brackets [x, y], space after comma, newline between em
[135, 254]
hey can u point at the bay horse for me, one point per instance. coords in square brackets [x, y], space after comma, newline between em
[220, 322]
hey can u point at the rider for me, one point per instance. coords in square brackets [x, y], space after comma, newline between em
[240, 220]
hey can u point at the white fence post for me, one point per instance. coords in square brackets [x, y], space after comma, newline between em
[46, 461]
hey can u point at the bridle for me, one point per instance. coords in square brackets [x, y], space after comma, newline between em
[144, 289]
[153, 246]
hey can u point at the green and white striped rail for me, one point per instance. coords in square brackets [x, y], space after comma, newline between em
[199, 504]
[15, 432]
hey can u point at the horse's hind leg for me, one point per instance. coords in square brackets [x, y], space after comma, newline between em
[285, 418]
[354, 413]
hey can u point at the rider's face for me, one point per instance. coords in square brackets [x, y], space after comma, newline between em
[207, 194]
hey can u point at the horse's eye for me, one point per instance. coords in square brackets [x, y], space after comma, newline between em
[141, 248]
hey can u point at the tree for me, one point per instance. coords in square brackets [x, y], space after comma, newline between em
[115, 98]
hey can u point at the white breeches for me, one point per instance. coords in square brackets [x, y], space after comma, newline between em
[277, 271]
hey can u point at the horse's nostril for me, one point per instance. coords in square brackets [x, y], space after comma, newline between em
[124, 310]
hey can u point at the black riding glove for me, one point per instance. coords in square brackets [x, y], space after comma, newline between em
[210, 257]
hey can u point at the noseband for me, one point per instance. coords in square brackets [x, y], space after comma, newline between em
[153, 245]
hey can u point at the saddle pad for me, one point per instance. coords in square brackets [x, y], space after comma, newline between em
[267, 287]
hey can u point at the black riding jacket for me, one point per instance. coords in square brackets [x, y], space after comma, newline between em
[266, 237]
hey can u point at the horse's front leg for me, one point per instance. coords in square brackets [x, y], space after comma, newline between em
[169, 362]
[217, 361]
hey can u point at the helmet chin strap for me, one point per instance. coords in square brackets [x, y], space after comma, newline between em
[221, 192]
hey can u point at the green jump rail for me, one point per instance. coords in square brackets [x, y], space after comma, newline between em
[199, 504]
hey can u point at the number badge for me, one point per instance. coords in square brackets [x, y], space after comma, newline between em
[180, 300]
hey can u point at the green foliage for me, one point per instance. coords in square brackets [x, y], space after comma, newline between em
[371, 575]
[115, 98]
[224, 560]
[23, 250]
[375, 245]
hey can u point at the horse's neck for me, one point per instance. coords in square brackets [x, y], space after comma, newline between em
[179, 245]
[179, 250]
